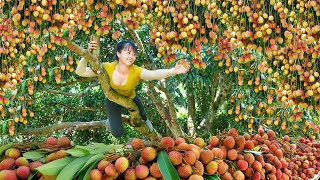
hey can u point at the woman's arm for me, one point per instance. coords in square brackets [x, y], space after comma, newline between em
[164, 73]
[156, 74]
[83, 70]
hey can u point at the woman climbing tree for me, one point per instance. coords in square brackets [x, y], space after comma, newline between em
[124, 77]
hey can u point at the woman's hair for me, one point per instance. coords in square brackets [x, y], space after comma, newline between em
[125, 44]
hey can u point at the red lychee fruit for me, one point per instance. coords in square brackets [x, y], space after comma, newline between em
[249, 145]
[240, 141]
[7, 164]
[175, 157]
[142, 171]
[167, 143]
[155, 171]
[137, 144]
[148, 153]
[248, 172]
[189, 157]
[130, 174]
[196, 150]
[35, 164]
[246, 136]
[225, 151]
[256, 175]
[232, 154]
[102, 164]
[183, 147]
[211, 167]
[110, 170]
[121, 164]
[238, 175]
[184, 171]
[206, 156]
[61, 154]
[51, 141]
[271, 134]
[21, 161]
[95, 174]
[199, 142]
[286, 138]
[233, 132]
[267, 167]
[179, 140]
[13, 153]
[229, 142]
[8, 175]
[214, 141]
[222, 167]
[64, 141]
[260, 131]
[142, 161]
[198, 167]
[279, 153]
[217, 152]
[249, 158]
[195, 177]
[256, 165]
[242, 165]
[23, 172]
[227, 176]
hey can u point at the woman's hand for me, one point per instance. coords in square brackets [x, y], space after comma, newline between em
[181, 67]
[92, 45]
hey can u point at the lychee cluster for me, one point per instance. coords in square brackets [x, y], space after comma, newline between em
[230, 156]
[14, 166]
[227, 155]
[58, 142]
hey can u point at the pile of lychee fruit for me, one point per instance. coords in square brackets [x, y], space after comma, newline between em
[226, 155]
[15, 166]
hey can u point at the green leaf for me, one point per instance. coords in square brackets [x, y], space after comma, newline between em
[86, 176]
[166, 168]
[97, 148]
[72, 168]
[50, 74]
[5, 147]
[78, 152]
[211, 177]
[103, 148]
[33, 155]
[92, 160]
[23, 86]
[4, 127]
[54, 167]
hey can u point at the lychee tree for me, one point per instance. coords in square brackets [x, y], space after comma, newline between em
[258, 62]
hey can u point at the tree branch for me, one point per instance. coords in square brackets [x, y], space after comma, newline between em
[74, 82]
[71, 94]
[67, 126]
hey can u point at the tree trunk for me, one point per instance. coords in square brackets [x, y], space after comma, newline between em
[191, 113]
[218, 96]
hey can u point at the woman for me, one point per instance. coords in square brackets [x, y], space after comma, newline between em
[124, 77]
